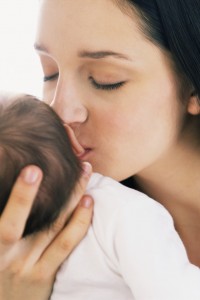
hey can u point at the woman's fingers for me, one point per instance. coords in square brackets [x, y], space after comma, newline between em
[15, 214]
[74, 231]
[79, 190]
[38, 276]
[29, 265]
[42, 242]
[68, 239]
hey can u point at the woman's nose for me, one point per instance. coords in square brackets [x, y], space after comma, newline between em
[68, 104]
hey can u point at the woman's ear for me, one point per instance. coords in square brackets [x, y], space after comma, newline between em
[193, 107]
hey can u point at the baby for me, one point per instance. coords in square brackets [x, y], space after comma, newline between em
[132, 250]
[31, 133]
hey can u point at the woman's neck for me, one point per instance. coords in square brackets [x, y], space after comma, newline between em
[174, 182]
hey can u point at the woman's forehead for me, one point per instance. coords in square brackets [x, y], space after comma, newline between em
[104, 14]
[98, 24]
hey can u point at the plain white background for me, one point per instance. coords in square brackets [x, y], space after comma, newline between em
[19, 65]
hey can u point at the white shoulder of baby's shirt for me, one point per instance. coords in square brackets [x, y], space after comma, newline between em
[113, 196]
[140, 241]
[116, 204]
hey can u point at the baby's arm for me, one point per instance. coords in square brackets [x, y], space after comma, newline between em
[151, 255]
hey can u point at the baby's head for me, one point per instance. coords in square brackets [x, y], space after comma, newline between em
[31, 133]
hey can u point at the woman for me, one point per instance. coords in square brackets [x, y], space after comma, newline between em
[125, 76]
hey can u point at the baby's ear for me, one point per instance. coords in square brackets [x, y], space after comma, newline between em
[193, 107]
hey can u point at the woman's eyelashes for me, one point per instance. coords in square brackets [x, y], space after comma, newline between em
[97, 85]
[106, 86]
[51, 77]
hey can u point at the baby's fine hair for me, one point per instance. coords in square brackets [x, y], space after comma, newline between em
[31, 133]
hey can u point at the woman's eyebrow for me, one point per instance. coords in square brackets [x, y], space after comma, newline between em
[103, 54]
[90, 54]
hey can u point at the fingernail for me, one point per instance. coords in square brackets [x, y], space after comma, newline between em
[30, 174]
[87, 168]
[86, 202]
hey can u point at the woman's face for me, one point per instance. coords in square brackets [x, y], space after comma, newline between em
[111, 85]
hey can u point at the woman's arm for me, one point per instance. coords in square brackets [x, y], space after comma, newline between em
[28, 266]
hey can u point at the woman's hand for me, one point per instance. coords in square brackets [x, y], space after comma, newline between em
[28, 266]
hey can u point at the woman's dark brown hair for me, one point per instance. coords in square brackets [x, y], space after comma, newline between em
[173, 25]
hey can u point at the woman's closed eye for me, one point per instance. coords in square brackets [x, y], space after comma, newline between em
[97, 85]
[51, 77]
[106, 86]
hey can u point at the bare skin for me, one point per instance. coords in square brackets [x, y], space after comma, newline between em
[139, 126]
[28, 266]
[128, 119]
